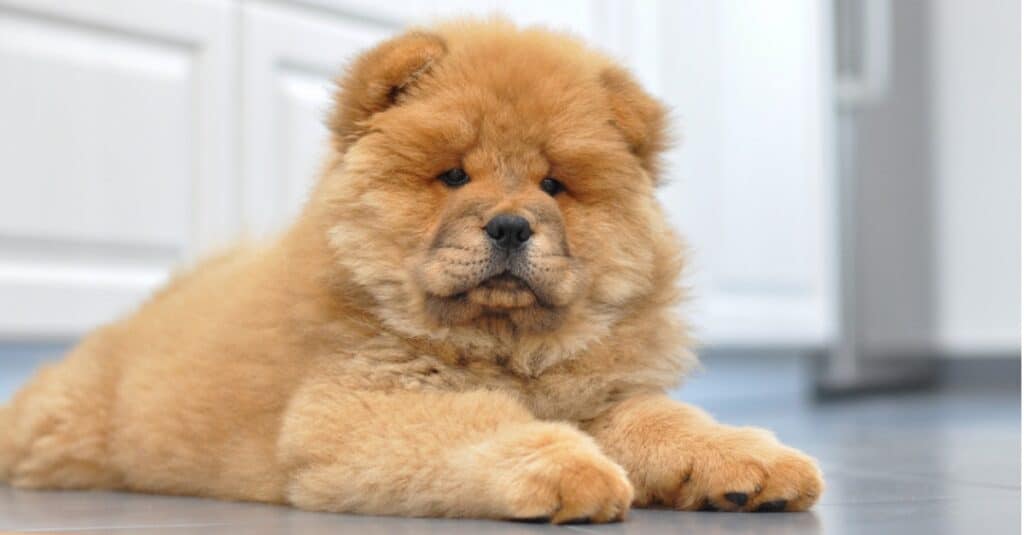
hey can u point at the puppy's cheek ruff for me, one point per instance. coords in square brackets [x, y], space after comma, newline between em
[447, 272]
[557, 281]
[397, 299]
[617, 289]
[375, 267]
[621, 275]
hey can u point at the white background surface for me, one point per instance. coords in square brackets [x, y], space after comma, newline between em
[137, 136]
[976, 109]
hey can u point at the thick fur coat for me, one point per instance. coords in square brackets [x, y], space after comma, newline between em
[399, 350]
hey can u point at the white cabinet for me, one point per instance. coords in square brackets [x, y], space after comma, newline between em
[749, 183]
[114, 153]
[976, 74]
[583, 17]
[290, 60]
[750, 179]
[138, 134]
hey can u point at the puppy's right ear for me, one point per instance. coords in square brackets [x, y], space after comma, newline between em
[377, 79]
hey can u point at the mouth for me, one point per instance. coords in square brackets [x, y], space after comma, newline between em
[505, 280]
[501, 297]
[472, 285]
[502, 291]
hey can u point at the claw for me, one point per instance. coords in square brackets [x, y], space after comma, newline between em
[708, 506]
[533, 520]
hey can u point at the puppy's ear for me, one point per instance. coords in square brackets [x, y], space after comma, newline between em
[377, 79]
[641, 119]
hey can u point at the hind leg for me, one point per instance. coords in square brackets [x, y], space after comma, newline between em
[55, 430]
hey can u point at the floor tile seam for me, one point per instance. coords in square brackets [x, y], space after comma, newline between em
[899, 475]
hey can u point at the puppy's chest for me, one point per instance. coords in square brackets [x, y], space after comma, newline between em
[563, 396]
[557, 394]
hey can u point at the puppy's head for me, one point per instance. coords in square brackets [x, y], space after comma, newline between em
[496, 179]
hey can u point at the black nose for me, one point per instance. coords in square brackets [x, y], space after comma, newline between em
[508, 231]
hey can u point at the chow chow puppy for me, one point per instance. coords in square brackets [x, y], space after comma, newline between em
[473, 316]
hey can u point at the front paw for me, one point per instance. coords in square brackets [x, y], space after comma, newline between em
[739, 470]
[559, 475]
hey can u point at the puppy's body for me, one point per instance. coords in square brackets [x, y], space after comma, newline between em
[385, 356]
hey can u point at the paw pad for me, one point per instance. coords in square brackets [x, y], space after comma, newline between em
[775, 506]
[738, 498]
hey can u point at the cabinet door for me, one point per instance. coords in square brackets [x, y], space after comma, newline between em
[290, 60]
[114, 154]
[579, 16]
[751, 179]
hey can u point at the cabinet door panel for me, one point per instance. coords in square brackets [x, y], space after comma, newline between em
[580, 16]
[751, 180]
[114, 155]
[290, 62]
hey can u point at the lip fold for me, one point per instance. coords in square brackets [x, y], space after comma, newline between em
[503, 291]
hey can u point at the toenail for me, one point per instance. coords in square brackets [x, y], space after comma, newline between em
[772, 507]
[533, 520]
[708, 506]
[739, 498]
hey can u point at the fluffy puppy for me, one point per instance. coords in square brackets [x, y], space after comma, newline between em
[474, 316]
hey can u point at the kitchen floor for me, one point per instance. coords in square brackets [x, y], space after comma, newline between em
[935, 463]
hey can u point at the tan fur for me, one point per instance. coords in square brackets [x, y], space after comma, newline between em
[368, 361]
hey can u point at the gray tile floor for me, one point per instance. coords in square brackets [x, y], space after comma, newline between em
[940, 462]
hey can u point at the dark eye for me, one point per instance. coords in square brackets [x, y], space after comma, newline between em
[454, 177]
[551, 186]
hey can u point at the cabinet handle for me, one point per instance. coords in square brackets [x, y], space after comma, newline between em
[870, 85]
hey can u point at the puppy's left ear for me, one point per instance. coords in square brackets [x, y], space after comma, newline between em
[378, 78]
[639, 116]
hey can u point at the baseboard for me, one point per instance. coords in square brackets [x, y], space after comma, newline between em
[991, 371]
